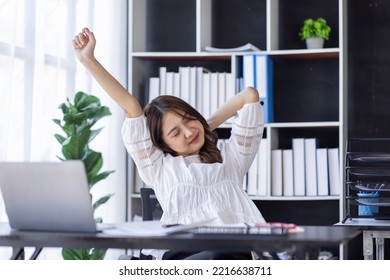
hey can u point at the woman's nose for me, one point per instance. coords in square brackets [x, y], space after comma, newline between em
[187, 132]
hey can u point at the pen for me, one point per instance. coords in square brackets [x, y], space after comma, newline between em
[172, 225]
[276, 225]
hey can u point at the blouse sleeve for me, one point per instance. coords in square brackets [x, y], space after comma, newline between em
[247, 132]
[147, 157]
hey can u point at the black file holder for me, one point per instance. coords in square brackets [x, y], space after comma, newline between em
[367, 166]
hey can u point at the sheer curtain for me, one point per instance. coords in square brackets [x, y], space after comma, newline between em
[38, 71]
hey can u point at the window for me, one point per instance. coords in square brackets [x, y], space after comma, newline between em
[38, 71]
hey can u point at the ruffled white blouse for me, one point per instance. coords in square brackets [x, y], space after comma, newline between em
[190, 191]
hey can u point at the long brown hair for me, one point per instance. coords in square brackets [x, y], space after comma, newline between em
[154, 113]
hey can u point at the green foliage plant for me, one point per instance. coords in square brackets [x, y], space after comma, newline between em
[78, 119]
[315, 28]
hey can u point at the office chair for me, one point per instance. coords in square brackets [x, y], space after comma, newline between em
[150, 206]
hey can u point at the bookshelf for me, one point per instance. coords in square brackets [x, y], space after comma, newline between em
[309, 86]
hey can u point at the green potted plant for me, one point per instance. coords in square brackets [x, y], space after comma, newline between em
[315, 32]
[78, 119]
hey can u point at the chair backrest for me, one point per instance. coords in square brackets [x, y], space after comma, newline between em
[150, 206]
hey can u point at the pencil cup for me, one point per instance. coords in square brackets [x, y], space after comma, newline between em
[367, 210]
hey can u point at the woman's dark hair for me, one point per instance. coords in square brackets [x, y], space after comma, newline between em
[154, 113]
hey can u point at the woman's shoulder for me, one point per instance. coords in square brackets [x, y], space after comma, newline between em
[139, 119]
[135, 129]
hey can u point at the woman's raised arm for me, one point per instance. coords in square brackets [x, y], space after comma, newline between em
[84, 46]
[231, 106]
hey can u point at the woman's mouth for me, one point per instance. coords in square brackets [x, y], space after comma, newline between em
[195, 140]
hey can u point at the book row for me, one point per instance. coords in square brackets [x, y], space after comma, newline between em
[207, 91]
[204, 90]
[305, 170]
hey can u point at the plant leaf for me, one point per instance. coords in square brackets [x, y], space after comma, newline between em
[72, 254]
[94, 133]
[102, 200]
[57, 121]
[64, 108]
[98, 178]
[60, 138]
[97, 254]
[79, 97]
[93, 163]
[83, 101]
[84, 254]
[95, 114]
[75, 147]
[60, 158]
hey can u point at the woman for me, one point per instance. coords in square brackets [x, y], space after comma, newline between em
[175, 149]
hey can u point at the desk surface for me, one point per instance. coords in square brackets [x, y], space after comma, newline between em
[312, 236]
[366, 223]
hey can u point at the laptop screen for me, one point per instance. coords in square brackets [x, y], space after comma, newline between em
[47, 196]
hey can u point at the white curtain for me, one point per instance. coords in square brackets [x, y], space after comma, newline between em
[38, 71]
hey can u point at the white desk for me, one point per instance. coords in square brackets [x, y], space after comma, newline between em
[374, 232]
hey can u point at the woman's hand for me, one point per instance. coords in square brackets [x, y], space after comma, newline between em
[84, 45]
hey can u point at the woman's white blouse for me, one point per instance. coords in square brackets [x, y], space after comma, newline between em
[190, 191]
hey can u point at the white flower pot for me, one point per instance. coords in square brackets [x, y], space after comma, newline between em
[315, 43]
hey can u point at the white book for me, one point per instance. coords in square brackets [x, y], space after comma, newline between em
[193, 83]
[163, 78]
[206, 109]
[185, 83]
[221, 88]
[261, 75]
[176, 84]
[154, 88]
[298, 147]
[214, 90]
[230, 89]
[311, 166]
[262, 176]
[169, 83]
[288, 172]
[322, 172]
[252, 177]
[230, 86]
[248, 70]
[276, 173]
[199, 89]
[334, 174]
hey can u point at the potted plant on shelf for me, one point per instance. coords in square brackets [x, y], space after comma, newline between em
[315, 32]
[78, 119]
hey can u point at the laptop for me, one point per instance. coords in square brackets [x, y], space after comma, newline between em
[47, 196]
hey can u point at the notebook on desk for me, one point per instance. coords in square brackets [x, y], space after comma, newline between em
[47, 196]
[263, 229]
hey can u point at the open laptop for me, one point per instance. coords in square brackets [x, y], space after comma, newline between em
[47, 196]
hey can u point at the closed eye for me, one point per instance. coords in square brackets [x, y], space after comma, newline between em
[175, 133]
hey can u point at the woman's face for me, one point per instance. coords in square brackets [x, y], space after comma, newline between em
[183, 135]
